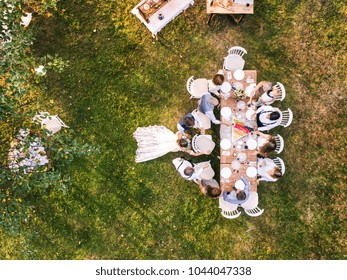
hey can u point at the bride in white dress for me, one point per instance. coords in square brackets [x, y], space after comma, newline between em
[156, 141]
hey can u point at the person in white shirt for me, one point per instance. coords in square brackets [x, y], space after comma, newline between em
[191, 172]
[268, 170]
[267, 117]
[214, 85]
[267, 93]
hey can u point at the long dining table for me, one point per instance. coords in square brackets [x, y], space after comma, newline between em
[230, 158]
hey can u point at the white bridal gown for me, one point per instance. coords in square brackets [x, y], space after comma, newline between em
[154, 141]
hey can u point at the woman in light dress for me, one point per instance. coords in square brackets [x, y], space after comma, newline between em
[156, 141]
[268, 93]
[266, 144]
[268, 170]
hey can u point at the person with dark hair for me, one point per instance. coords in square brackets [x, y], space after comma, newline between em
[210, 188]
[266, 144]
[267, 93]
[214, 85]
[188, 122]
[268, 170]
[267, 117]
[196, 172]
[156, 141]
[238, 196]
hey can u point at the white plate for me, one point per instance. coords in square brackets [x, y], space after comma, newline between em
[225, 87]
[249, 114]
[156, 1]
[251, 172]
[146, 7]
[226, 112]
[239, 184]
[252, 144]
[239, 75]
[225, 172]
[241, 105]
[225, 144]
[238, 85]
[248, 90]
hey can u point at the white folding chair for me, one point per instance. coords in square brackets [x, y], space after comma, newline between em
[282, 90]
[251, 202]
[229, 210]
[279, 144]
[280, 164]
[286, 118]
[197, 87]
[202, 118]
[202, 143]
[52, 123]
[255, 212]
[237, 51]
[204, 173]
[234, 60]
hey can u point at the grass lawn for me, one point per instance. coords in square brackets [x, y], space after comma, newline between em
[120, 78]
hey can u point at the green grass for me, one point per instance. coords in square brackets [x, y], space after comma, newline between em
[119, 78]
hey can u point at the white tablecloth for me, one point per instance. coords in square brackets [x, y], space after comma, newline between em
[170, 10]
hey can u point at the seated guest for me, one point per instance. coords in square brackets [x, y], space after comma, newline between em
[267, 117]
[266, 144]
[188, 122]
[267, 93]
[214, 85]
[237, 196]
[268, 170]
[206, 106]
[210, 188]
[191, 172]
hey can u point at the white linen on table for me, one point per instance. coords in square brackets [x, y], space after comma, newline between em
[170, 10]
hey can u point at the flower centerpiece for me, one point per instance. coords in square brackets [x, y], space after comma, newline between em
[240, 93]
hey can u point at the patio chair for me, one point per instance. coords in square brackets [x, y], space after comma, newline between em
[234, 60]
[229, 210]
[251, 202]
[287, 118]
[279, 144]
[255, 212]
[202, 143]
[280, 164]
[202, 118]
[52, 123]
[204, 173]
[281, 89]
[197, 87]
